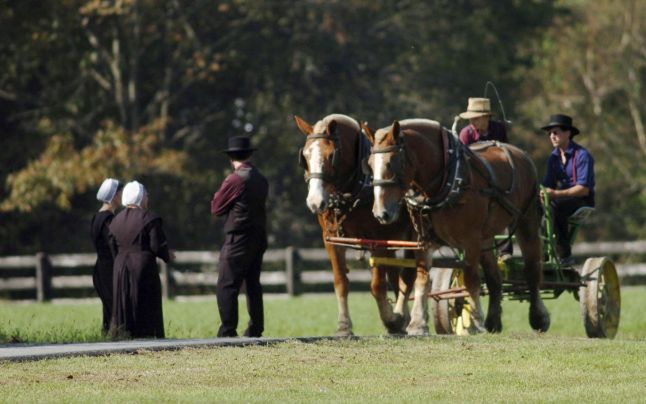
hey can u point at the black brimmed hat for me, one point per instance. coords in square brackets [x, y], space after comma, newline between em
[562, 121]
[239, 144]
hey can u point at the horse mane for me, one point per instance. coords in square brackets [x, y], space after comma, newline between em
[426, 126]
[339, 118]
[420, 122]
[412, 123]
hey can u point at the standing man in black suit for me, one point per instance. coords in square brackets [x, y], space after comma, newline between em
[241, 198]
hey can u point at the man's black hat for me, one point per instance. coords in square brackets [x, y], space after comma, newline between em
[562, 121]
[239, 144]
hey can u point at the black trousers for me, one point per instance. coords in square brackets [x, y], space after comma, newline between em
[562, 209]
[241, 260]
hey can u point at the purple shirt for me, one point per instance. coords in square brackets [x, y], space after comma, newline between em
[577, 170]
[229, 191]
[495, 131]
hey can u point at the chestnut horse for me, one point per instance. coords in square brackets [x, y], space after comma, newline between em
[340, 194]
[462, 198]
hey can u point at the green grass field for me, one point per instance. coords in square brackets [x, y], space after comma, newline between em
[518, 365]
[285, 317]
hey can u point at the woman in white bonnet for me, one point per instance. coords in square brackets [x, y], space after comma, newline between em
[109, 194]
[140, 239]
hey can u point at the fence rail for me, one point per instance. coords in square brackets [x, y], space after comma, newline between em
[43, 276]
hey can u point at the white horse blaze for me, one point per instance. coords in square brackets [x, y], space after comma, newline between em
[316, 192]
[378, 162]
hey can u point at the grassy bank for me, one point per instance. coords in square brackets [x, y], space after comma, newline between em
[516, 367]
[285, 317]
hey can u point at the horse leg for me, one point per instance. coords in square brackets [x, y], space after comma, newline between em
[393, 322]
[419, 314]
[341, 288]
[493, 279]
[528, 237]
[406, 284]
[401, 281]
[472, 283]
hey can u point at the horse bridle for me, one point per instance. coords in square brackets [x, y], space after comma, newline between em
[397, 162]
[335, 159]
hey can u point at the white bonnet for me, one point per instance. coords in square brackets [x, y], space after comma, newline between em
[107, 190]
[133, 194]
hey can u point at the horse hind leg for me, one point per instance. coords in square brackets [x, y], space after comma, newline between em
[528, 237]
[473, 286]
[419, 314]
[493, 279]
[393, 323]
[406, 287]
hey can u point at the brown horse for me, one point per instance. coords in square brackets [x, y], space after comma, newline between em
[340, 194]
[462, 198]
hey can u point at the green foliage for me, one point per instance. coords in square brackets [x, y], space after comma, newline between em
[149, 90]
[590, 64]
[61, 171]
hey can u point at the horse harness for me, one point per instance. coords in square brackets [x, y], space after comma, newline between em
[342, 203]
[455, 180]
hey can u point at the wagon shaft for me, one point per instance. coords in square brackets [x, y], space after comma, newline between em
[374, 244]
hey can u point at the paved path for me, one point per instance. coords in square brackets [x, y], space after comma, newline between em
[25, 352]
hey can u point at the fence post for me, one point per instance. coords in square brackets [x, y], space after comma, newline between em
[43, 277]
[291, 273]
[167, 280]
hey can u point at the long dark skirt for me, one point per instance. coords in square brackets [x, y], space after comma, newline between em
[103, 280]
[137, 297]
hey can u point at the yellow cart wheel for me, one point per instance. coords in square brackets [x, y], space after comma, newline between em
[600, 298]
[451, 315]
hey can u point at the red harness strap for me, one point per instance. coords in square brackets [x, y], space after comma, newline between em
[574, 168]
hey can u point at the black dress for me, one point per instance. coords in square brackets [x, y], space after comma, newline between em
[102, 276]
[139, 239]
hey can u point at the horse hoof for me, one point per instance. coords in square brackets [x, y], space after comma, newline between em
[417, 331]
[539, 319]
[344, 329]
[396, 326]
[493, 325]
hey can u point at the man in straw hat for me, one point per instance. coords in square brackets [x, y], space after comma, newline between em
[568, 181]
[241, 198]
[482, 128]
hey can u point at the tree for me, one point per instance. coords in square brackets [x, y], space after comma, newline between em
[592, 65]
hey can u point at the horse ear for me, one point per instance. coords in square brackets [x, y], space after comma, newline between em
[331, 127]
[395, 130]
[369, 134]
[305, 127]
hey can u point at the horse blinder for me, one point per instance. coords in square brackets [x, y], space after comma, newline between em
[365, 167]
[301, 159]
[395, 166]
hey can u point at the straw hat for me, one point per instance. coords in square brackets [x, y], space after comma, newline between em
[477, 107]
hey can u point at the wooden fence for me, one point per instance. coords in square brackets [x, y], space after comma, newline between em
[290, 270]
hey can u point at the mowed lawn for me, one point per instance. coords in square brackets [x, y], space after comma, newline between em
[517, 365]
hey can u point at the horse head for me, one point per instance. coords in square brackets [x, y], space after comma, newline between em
[328, 157]
[391, 172]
